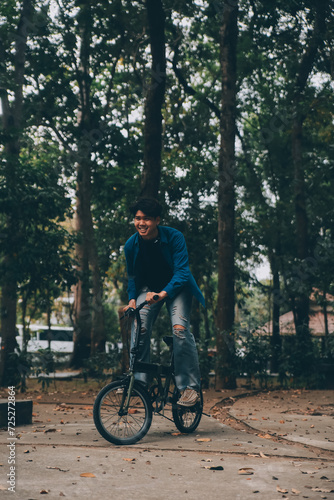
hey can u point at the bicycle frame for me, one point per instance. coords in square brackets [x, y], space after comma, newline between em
[123, 409]
[157, 370]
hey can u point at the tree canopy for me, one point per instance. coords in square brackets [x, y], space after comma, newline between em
[101, 101]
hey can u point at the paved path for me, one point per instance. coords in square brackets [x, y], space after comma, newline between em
[217, 461]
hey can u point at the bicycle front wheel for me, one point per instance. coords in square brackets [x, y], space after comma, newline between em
[185, 418]
[115, 425]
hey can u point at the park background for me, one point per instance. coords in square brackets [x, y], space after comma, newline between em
[221, 109]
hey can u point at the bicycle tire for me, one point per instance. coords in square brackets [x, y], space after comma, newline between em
[122, 429]
[186, 418]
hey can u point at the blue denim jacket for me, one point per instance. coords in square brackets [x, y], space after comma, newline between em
[174, 249]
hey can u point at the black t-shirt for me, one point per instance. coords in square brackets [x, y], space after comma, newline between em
[152, 269]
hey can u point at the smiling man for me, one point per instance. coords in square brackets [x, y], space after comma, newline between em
[157, 265]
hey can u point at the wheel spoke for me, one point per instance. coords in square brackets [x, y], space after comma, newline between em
[121, 428]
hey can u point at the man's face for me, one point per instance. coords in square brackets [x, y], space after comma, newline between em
[146, 225]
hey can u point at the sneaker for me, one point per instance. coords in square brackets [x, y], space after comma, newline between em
[189, 397]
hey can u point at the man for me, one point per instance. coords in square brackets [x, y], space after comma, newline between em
[157, 266]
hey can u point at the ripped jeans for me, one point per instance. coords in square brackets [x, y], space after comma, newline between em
[187, 373]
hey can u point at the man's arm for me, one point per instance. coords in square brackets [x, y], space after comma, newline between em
[181, 272]
[132, 292]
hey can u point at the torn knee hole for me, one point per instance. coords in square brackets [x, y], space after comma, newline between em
[178, 329]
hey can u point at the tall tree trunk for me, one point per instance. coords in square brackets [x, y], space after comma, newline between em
[226, 200]
[89, 333]
[301, 302]
[82, 297]
[276, 341]
[12, 123]
[154, 100]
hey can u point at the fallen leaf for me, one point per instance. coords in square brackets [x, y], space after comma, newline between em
[281, 490]
[87, 474]
[218, 467]
[282, 421]
[295, 492]
[265, 436]
[49, 430]
[131, 411]
[44, 492]
[203, 440]
[263, 455]
[58, 468]
[129, 459]
[246, 471]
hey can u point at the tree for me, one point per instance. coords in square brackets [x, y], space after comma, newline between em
[12, 121]
[89, 335]
[79, 97]
[154, 100]
[226, 197]
[301, 301]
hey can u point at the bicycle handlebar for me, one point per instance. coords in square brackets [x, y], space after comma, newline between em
[131, 310]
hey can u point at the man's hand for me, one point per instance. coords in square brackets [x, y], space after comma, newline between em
[149, 296]
[131, 304]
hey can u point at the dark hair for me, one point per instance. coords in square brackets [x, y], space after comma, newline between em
[149, 206]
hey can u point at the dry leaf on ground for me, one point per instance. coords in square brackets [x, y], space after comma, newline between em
[246, 471]
[281, 490]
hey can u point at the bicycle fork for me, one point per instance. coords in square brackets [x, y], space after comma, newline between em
[126, 396]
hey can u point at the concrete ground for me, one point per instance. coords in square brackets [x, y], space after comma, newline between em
[266, 446]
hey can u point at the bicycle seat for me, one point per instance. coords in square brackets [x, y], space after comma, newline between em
[168, 340]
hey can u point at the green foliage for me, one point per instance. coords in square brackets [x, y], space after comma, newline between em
[102, 365]
[253, 355]
[36, 188]
[37, 364]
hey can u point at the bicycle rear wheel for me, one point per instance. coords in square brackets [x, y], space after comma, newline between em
[185, 418]
[112, 423]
